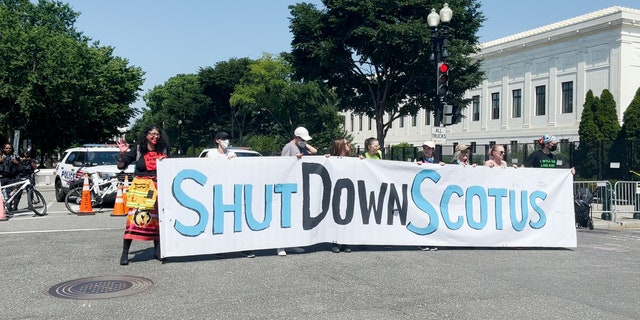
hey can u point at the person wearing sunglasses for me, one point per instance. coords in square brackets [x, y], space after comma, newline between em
[496, 155]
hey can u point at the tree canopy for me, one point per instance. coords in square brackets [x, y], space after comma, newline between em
[375, 54]
[57, 87]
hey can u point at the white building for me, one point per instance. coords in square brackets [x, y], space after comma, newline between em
[536, 82]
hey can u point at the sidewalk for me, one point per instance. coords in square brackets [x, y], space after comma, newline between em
[619, 221]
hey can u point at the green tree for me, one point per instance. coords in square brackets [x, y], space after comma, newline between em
[590, 139]
[55, 86]
[179, 106]
[375, 54]
[218, 83]
[606, 116]
[630, 133]
[278, 104]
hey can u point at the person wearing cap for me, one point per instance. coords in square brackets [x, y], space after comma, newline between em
[544, 157]
[222, 140]
[461, 156]
[428, 148]
[299, 146]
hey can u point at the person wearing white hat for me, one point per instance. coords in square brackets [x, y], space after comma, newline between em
[428, 148]
[299, 146]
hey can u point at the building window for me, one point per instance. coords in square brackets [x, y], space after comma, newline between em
[517, 103]
[427, 118]
[370, 121]
[476, 108]
[414, 120]
[390, 124]
[402, 122]
[360, 123]
[495, 105]
[567, 97]
[351, 120]
[541, 97]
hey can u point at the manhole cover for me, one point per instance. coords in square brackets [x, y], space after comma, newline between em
[100, 287]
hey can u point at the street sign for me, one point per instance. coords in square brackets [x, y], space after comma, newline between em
[439, 135]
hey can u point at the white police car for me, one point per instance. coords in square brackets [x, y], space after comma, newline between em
[89, 158]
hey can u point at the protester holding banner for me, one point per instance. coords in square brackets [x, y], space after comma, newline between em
[461, 156]
[142, 222]
[497, 157]
[371, 149]
[223, 152]
[297, 147]
[544, 157]
[428, 147]
[340, 148]
[222, 141]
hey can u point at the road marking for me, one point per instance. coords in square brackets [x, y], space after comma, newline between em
[60, 230]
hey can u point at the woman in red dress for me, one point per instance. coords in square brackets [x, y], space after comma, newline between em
[143, 225]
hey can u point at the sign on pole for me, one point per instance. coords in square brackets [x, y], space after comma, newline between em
[439, 135]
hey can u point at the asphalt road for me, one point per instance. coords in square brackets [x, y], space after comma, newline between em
[598, 280]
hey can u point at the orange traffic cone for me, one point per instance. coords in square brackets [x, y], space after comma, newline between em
[118, 207]
[124, 192]
[85, 203]
[3, 214]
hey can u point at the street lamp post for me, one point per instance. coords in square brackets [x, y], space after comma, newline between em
[439, 25]
[180, 137]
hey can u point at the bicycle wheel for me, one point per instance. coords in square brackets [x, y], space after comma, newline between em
[74, 198]
[36, 201]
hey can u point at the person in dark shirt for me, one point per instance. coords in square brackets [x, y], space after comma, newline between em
[544, 157]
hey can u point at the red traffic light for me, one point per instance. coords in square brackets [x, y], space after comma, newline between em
[444, 67]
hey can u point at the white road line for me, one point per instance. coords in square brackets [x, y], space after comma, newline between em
[61, 230]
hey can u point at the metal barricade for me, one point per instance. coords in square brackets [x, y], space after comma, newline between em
[627, 199]
[603, 196]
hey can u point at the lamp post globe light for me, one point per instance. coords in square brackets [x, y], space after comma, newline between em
[439, 25]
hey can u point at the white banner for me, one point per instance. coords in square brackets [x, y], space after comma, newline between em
[213, 206]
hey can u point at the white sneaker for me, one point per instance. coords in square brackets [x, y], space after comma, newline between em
[281, 252]
[297, 250]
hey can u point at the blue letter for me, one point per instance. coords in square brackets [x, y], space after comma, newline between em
[423, 204]
[482, 197]
[285, 215]
[219, 209]
[543, 217]
[248, 213]
[190, 203]
[518, 225]
[444, 207]
[498, 194]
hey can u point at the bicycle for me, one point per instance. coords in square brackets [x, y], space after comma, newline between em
[101, 191]
[35, 199]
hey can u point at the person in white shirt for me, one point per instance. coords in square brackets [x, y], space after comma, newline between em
[223, 152]
[222, 140]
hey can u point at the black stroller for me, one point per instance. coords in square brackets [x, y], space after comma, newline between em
[582, 207]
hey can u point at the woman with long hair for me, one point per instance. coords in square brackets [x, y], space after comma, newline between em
[143, 225]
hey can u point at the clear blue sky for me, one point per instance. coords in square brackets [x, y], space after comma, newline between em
[166, 38]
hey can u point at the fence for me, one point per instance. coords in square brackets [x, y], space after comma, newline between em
[598, 160]
[612, 203]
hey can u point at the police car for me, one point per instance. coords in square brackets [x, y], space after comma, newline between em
[89, 158]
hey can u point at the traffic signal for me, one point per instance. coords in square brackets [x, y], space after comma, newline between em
[443, 79]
